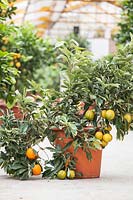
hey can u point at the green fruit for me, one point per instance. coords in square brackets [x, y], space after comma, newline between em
[61, 174]
[71, 174]
[89, 115]
[110, 115]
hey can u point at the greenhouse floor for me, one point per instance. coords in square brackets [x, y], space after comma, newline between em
[115, 183]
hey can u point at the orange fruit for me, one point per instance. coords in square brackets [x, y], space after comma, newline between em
[36, 170]
[128, 117]
[71, 174]
[104, 144]
[89, 115]
[18, 64]
[103, 113]
[31, 154]
[110, 115]
[61, 174]
[107, 137]
[99, 135]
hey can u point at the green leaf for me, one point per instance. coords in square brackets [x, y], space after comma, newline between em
[89, 155]
[16, 166]
[67, 146]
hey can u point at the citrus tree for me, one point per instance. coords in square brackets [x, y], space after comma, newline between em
[18, 135]
[97, 95]
[31, 54]
[107, 82]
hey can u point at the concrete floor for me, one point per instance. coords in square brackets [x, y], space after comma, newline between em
[115, 183]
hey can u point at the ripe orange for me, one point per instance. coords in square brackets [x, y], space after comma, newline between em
[31, 154]
[107, 137]
[128, 117]
[18, 64]
[61, 174]
[104, 144]
[110, 115]
[99, 135]
[89, 115]
[103, 113]
[36, 170]
[72, 174]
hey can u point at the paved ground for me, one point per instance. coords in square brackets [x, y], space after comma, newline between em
[115, 183]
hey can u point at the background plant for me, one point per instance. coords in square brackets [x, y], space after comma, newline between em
[7, 8]
[8, 76]
[8, 73]
[126, 23]
[31, 55]
[82, 41]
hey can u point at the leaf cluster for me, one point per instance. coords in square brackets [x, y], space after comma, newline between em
[8, 77]
[126, 23]
[7, 9]
[18, 134]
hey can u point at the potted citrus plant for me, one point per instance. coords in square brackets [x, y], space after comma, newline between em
[97, 96]
[18, 136]
[77, 121]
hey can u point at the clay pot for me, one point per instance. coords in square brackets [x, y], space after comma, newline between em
[89, 169]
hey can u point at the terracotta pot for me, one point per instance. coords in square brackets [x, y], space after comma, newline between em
[89, 169]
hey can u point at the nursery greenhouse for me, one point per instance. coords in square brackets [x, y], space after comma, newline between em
[66, 99]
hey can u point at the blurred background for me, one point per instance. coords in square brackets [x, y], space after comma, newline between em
[92, 20]
[35, 26]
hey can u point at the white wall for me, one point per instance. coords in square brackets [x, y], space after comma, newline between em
[99, 47]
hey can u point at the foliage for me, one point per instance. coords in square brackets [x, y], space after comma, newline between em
[82, 41]
[18, 134]
[8, 76]
[48, 77]
[60, 160]
[8, 73]
[105, 84]
[108, 83]
[31, 53]
[102, 85]
[7, 8]
[126, 23]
